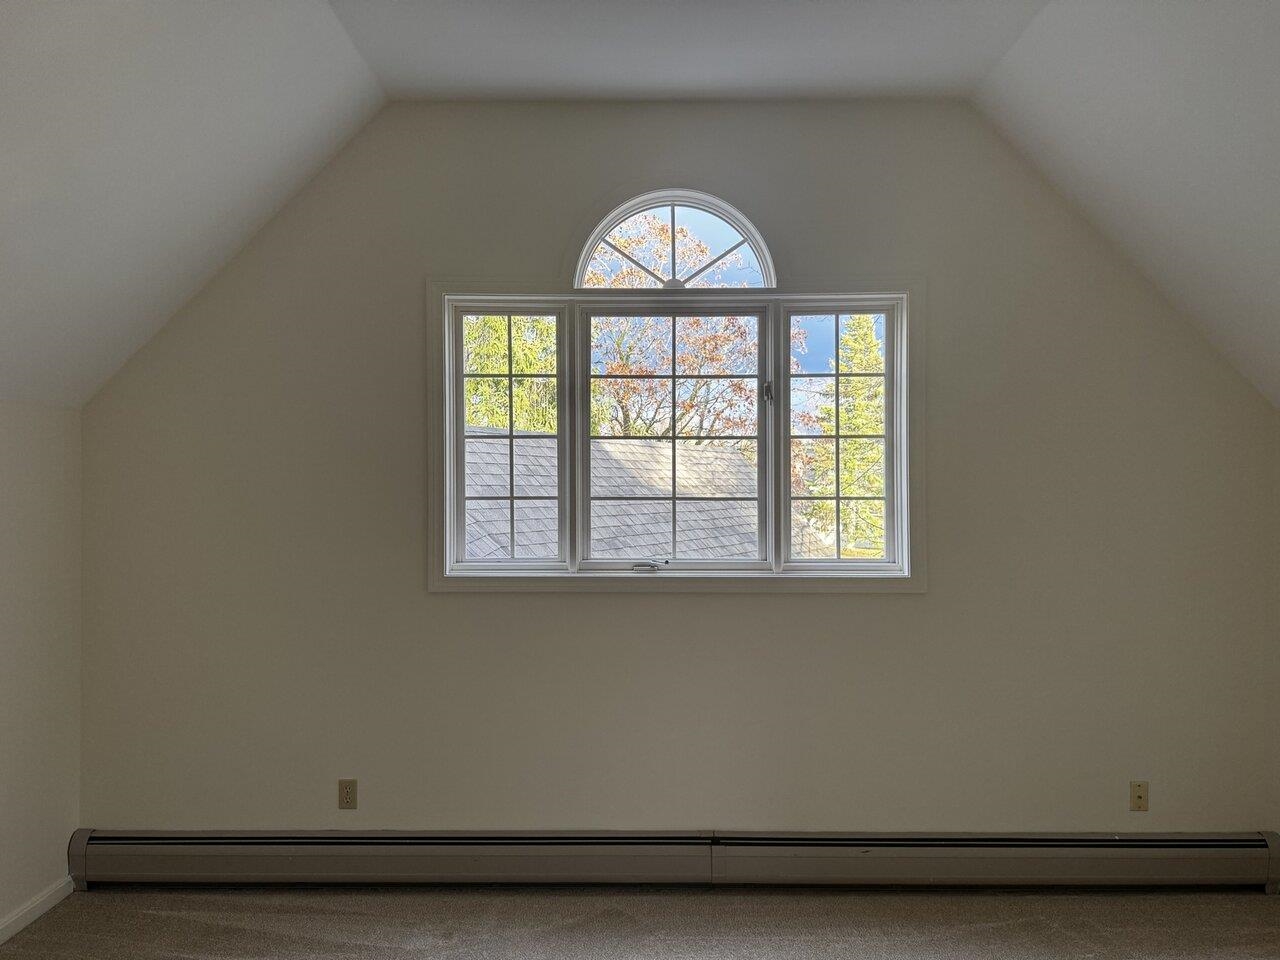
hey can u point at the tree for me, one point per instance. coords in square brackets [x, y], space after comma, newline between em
[646, 239]
[700, 351]
[861, 461]
[532, 352]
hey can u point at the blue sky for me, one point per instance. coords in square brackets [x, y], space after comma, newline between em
[819, 355]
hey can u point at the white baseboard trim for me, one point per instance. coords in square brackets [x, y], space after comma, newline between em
[42, 902]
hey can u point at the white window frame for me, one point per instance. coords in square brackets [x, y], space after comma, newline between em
[605, 305]
[902, 570]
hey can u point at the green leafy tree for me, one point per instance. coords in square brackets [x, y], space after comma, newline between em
[861, 460]
[526, 353]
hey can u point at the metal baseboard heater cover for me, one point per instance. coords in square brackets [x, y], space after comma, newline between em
[708, 857]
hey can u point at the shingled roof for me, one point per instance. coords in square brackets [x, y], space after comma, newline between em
[706, 529]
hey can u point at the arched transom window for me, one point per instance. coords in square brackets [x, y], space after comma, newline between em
[675, 239]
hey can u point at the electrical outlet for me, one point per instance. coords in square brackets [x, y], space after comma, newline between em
[346, 794]
[1139, 795]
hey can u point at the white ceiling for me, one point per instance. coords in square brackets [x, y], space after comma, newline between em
[681, 48]
[141, 143]
[1161, 118]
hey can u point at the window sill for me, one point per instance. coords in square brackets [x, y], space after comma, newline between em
[676, 582]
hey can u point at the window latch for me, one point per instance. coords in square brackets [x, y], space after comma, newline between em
[768, 391]
[648, 566]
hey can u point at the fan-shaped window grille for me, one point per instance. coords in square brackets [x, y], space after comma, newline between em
[675, 239]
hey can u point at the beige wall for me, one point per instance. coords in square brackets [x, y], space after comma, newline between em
[39, 654]
[1101, 517]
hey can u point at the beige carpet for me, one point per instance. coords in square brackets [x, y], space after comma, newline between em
[634, 923]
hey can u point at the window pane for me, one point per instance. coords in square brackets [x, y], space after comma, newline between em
[533, 344]
[630, 468]
[630, 408]
[608, 268]
[630, 529]
[486, 403]
[700, 237]
[862, 468]
[534, 400]
[646, 236]
[862, 529]
[716, 345]
[488, 468]
[537, 530]
[488, 529]
[813, 468]
[861, 405]
[813, 406]
[631, 346]
[813, 344]
[861, 342]
[536, 467]
[716, 468]
[484, 344]
[713, 408]
[717, 530]
[813, 529]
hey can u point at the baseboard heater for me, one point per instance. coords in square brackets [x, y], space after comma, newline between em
[709, 857]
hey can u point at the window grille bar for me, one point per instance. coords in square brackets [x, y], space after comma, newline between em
[663, 498]
[612, 246]
[711, 263]
[673, 256]
[833, 499]
[503, 376]
[749, 375]
[528, 497]
[674, 424]
[832, 436]
[700, 436]
[511, 443]
[839, 531]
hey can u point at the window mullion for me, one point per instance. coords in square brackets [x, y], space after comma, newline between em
[580, 406]
[564, 442]
[459, 506]
[779, 455]
[674, 430]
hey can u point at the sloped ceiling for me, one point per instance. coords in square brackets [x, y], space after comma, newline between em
[141, 143]
[682, 48]
[1161, 118]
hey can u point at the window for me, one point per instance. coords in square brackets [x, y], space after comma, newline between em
[672, 454]
[510, 413]
[698, 435]
[675, 240]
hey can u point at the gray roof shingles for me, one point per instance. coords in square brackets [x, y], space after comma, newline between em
[705, 529]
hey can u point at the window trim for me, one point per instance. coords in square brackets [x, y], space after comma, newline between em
[904, 421]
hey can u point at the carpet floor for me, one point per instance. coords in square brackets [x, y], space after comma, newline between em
[467, 923]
